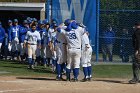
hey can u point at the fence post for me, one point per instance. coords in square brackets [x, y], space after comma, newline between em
[97, 38]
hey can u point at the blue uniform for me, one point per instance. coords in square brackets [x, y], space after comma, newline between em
[2, 34]
[23, 31]
[14, 32]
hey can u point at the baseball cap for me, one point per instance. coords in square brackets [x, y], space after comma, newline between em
[28, 18]
[15, 20]
[46, 21]
[40, 22]
[25, 22]
[34, 19]
[74, 25]
[9, 21]
[67, 22]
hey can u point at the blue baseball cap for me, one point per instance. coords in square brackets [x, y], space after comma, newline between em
[40, 22]
[25, 22]
[28, 18]
[15, 20]
[46, 21]
[9, 21]
[74, 25]
[34, 19]
[67, 22]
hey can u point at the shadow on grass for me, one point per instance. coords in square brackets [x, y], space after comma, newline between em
[113, 81]
[42, 70]
[15, 66]
[34, 78]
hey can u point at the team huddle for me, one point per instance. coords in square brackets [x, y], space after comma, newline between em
[65, 47]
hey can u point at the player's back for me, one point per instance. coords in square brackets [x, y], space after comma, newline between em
[74, 37]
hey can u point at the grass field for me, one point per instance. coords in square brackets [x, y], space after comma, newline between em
[99, 71]
[112, 71]
[16, 69]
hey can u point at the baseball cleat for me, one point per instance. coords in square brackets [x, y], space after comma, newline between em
[133, 81]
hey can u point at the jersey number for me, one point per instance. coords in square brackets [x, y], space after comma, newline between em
[72, 36]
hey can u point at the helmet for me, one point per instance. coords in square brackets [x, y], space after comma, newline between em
[67, 22]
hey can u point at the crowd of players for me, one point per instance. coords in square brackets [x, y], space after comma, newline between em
[65, 47]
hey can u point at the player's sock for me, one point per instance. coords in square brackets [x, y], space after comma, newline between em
[63, 67]
[33, 61]
[16, 53]
[37, 59]
[89, 71]
[30, 61]
[68, 73]
[44, 60]
[58, 68]
[54, 62]
[22, 57]
[76, 73]
[85, 70]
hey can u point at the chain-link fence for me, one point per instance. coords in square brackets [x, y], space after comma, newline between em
[110, 24]
[117, 18]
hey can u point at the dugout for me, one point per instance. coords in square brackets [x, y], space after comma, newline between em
[21, 11]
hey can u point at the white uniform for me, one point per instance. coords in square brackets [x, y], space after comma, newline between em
[31, 39]
[86, 51]
[43, 48]
[61, 50]
[15, 41]
[73, 38]
[52, 36]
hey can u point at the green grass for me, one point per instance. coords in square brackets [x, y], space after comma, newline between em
[99, 71]
[112, 71]
[16, 69]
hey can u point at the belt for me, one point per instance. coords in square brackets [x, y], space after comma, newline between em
[74, 48]
[31, 44]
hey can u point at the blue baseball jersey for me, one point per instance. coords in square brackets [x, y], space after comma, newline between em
[23, 31]
[42, 32]
[14, 32]
[2, 34]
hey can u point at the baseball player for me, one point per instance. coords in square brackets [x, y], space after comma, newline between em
[14, 38]
[52, 34]
[86, 57]
[61, 53]
[47, 42]
[2, 36]
[10, 26]
[23, 31]
[32, 41]
[42, 32]
[73, 36]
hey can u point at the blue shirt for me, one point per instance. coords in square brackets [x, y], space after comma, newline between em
[2, 34]
[23, 31]
[14, 32]
[108, 37]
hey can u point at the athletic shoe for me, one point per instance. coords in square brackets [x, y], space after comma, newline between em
[133, 81]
